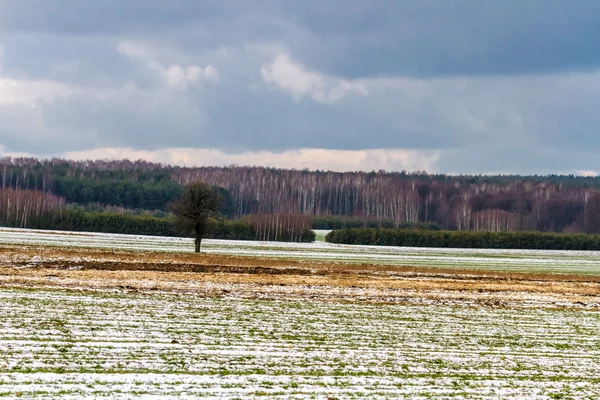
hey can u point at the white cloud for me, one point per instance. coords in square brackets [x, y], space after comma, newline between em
[287, 75]
[174, 76]
[290, 76]
[178, 77]
[15, 154]
[133, 50]
[324, 159]
[586, 173]
[32, 92]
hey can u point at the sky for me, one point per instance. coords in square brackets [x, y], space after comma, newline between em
[443, 86]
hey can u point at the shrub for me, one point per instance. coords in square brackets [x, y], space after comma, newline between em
[465, 239]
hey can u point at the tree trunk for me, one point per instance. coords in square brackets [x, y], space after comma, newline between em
[197, 242]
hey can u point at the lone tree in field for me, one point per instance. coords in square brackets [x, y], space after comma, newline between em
[197, 203]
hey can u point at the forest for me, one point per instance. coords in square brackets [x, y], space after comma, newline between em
[35, 209]
[503, 203]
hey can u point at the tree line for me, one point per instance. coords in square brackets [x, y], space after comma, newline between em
[553, 203]
[35, 209]
[340, 222]
[465, 239]
[25, 208]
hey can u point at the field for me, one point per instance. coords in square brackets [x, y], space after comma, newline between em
[538, 261]
[91, 316]
[84, 345]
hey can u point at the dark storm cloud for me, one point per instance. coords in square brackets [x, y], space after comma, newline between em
[352, 38]
[454, 37]
[74, 59]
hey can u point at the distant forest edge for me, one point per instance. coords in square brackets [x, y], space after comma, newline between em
[35, 209]
[465, 239]
[554, 203]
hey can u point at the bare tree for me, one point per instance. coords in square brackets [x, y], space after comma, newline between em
[197, 203]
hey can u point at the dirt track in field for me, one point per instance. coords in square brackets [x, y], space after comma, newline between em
[248, 277]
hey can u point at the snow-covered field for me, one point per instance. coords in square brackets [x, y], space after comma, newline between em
[105, 343]
[90, 345]
[537, 261]
[320, 234]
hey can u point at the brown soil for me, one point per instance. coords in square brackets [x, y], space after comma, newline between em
[248, 277]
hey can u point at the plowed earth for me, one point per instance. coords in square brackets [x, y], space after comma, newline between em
[249, 277]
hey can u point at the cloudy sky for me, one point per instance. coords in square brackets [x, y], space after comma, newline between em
[453, 86]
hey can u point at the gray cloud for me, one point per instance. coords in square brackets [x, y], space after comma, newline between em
[349, 38]
[488, 86]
